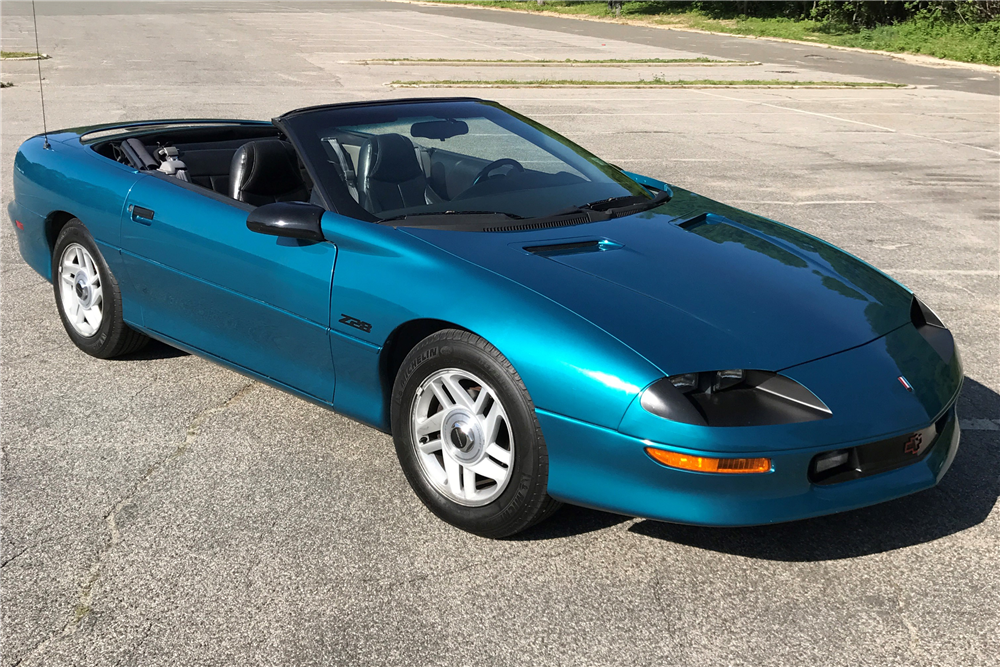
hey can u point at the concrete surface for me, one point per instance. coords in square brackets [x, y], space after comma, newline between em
[161, 510]
[817, 58]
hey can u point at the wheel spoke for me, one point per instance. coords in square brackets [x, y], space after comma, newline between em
[442, 395]
[457, 391]
[468, 482]
[488, 468]
[484, 393]
[497, 452]
[454, 471]
[491, 425]
[430, 425]
[93, 315]
[67, 276]
[430, 446]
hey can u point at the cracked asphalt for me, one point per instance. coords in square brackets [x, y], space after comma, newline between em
[162, 510]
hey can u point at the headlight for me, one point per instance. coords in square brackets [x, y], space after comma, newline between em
[929, 326]
[732, 397]
[922, 315]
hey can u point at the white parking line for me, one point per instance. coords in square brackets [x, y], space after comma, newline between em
[956, 272]
[833, 202]
[847, 120]
[979, 424]
[808, 113]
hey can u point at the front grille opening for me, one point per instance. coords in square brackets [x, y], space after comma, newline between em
[881, 456]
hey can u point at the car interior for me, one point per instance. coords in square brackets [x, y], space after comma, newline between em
[250, 163]
[255, 164]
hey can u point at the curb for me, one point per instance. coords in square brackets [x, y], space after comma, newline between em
[498, 63]
[637, 85]
[41, 56]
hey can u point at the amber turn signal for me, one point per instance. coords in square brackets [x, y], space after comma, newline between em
[707, 463]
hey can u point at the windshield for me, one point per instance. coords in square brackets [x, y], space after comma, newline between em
[405, 160]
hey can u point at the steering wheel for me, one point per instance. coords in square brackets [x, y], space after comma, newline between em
[496, 164]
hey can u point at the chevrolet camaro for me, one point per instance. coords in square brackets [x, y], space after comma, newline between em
[531, 324]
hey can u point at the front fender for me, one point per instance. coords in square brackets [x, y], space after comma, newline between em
[386, 277]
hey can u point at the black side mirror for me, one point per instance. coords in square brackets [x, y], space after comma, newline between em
[292, 219]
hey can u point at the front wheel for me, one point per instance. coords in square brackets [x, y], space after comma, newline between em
[88, 298]
[467, 437]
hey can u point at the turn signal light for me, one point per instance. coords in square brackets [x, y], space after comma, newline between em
[707, 463]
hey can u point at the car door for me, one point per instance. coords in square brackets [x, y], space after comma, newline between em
[205, 280]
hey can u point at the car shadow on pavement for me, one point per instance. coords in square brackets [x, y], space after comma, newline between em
[569, 521]
[963, 499]
[154, 350]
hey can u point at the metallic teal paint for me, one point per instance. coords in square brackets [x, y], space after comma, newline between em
[202, 277]
[587, 332]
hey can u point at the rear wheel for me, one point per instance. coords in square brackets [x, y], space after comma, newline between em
[467, 437]
[88, 298]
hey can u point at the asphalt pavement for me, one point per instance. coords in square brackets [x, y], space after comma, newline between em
[161, 510]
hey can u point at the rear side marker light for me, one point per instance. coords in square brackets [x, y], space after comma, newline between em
[707, 463]
[19, 224]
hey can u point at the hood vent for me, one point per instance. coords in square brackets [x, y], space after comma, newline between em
[696, 221]
[573, 248]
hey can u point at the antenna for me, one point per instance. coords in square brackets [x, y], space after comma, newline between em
[41, 95]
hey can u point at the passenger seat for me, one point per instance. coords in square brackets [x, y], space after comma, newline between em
[266, 171]
[389, 175]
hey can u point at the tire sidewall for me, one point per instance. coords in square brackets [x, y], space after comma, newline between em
[105, 337]
[442, 351]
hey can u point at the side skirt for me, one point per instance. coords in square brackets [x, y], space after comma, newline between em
[234, 367]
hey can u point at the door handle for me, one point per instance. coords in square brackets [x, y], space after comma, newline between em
[141, 214]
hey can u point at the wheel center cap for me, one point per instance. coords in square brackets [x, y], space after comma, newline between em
[463, 436]
[81, 286]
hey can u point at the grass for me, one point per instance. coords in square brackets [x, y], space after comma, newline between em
[583, 83]
[974, 43]
[20, 54]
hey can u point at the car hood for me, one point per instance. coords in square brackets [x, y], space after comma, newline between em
[696, 285]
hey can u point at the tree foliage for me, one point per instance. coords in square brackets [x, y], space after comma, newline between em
[854, 13]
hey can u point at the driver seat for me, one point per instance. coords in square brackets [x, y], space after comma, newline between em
[266, 171]
[389, 175]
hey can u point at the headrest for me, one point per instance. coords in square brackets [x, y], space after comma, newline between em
[389, 158]
[264, 167]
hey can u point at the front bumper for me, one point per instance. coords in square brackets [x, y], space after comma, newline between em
[610, 471]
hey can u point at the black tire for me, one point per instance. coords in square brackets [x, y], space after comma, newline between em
[524, 501]
[113, 337]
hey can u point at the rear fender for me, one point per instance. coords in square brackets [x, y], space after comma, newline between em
[69, 177]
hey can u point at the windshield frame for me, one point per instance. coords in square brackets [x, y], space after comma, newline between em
[303, 127]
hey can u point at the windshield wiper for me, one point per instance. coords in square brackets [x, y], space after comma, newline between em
[625, 202]
[404, 216]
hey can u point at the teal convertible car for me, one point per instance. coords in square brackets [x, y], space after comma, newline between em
[531, 324]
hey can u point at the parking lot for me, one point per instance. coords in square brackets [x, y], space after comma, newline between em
[163, 510]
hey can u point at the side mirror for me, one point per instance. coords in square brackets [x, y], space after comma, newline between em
[292, 219]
